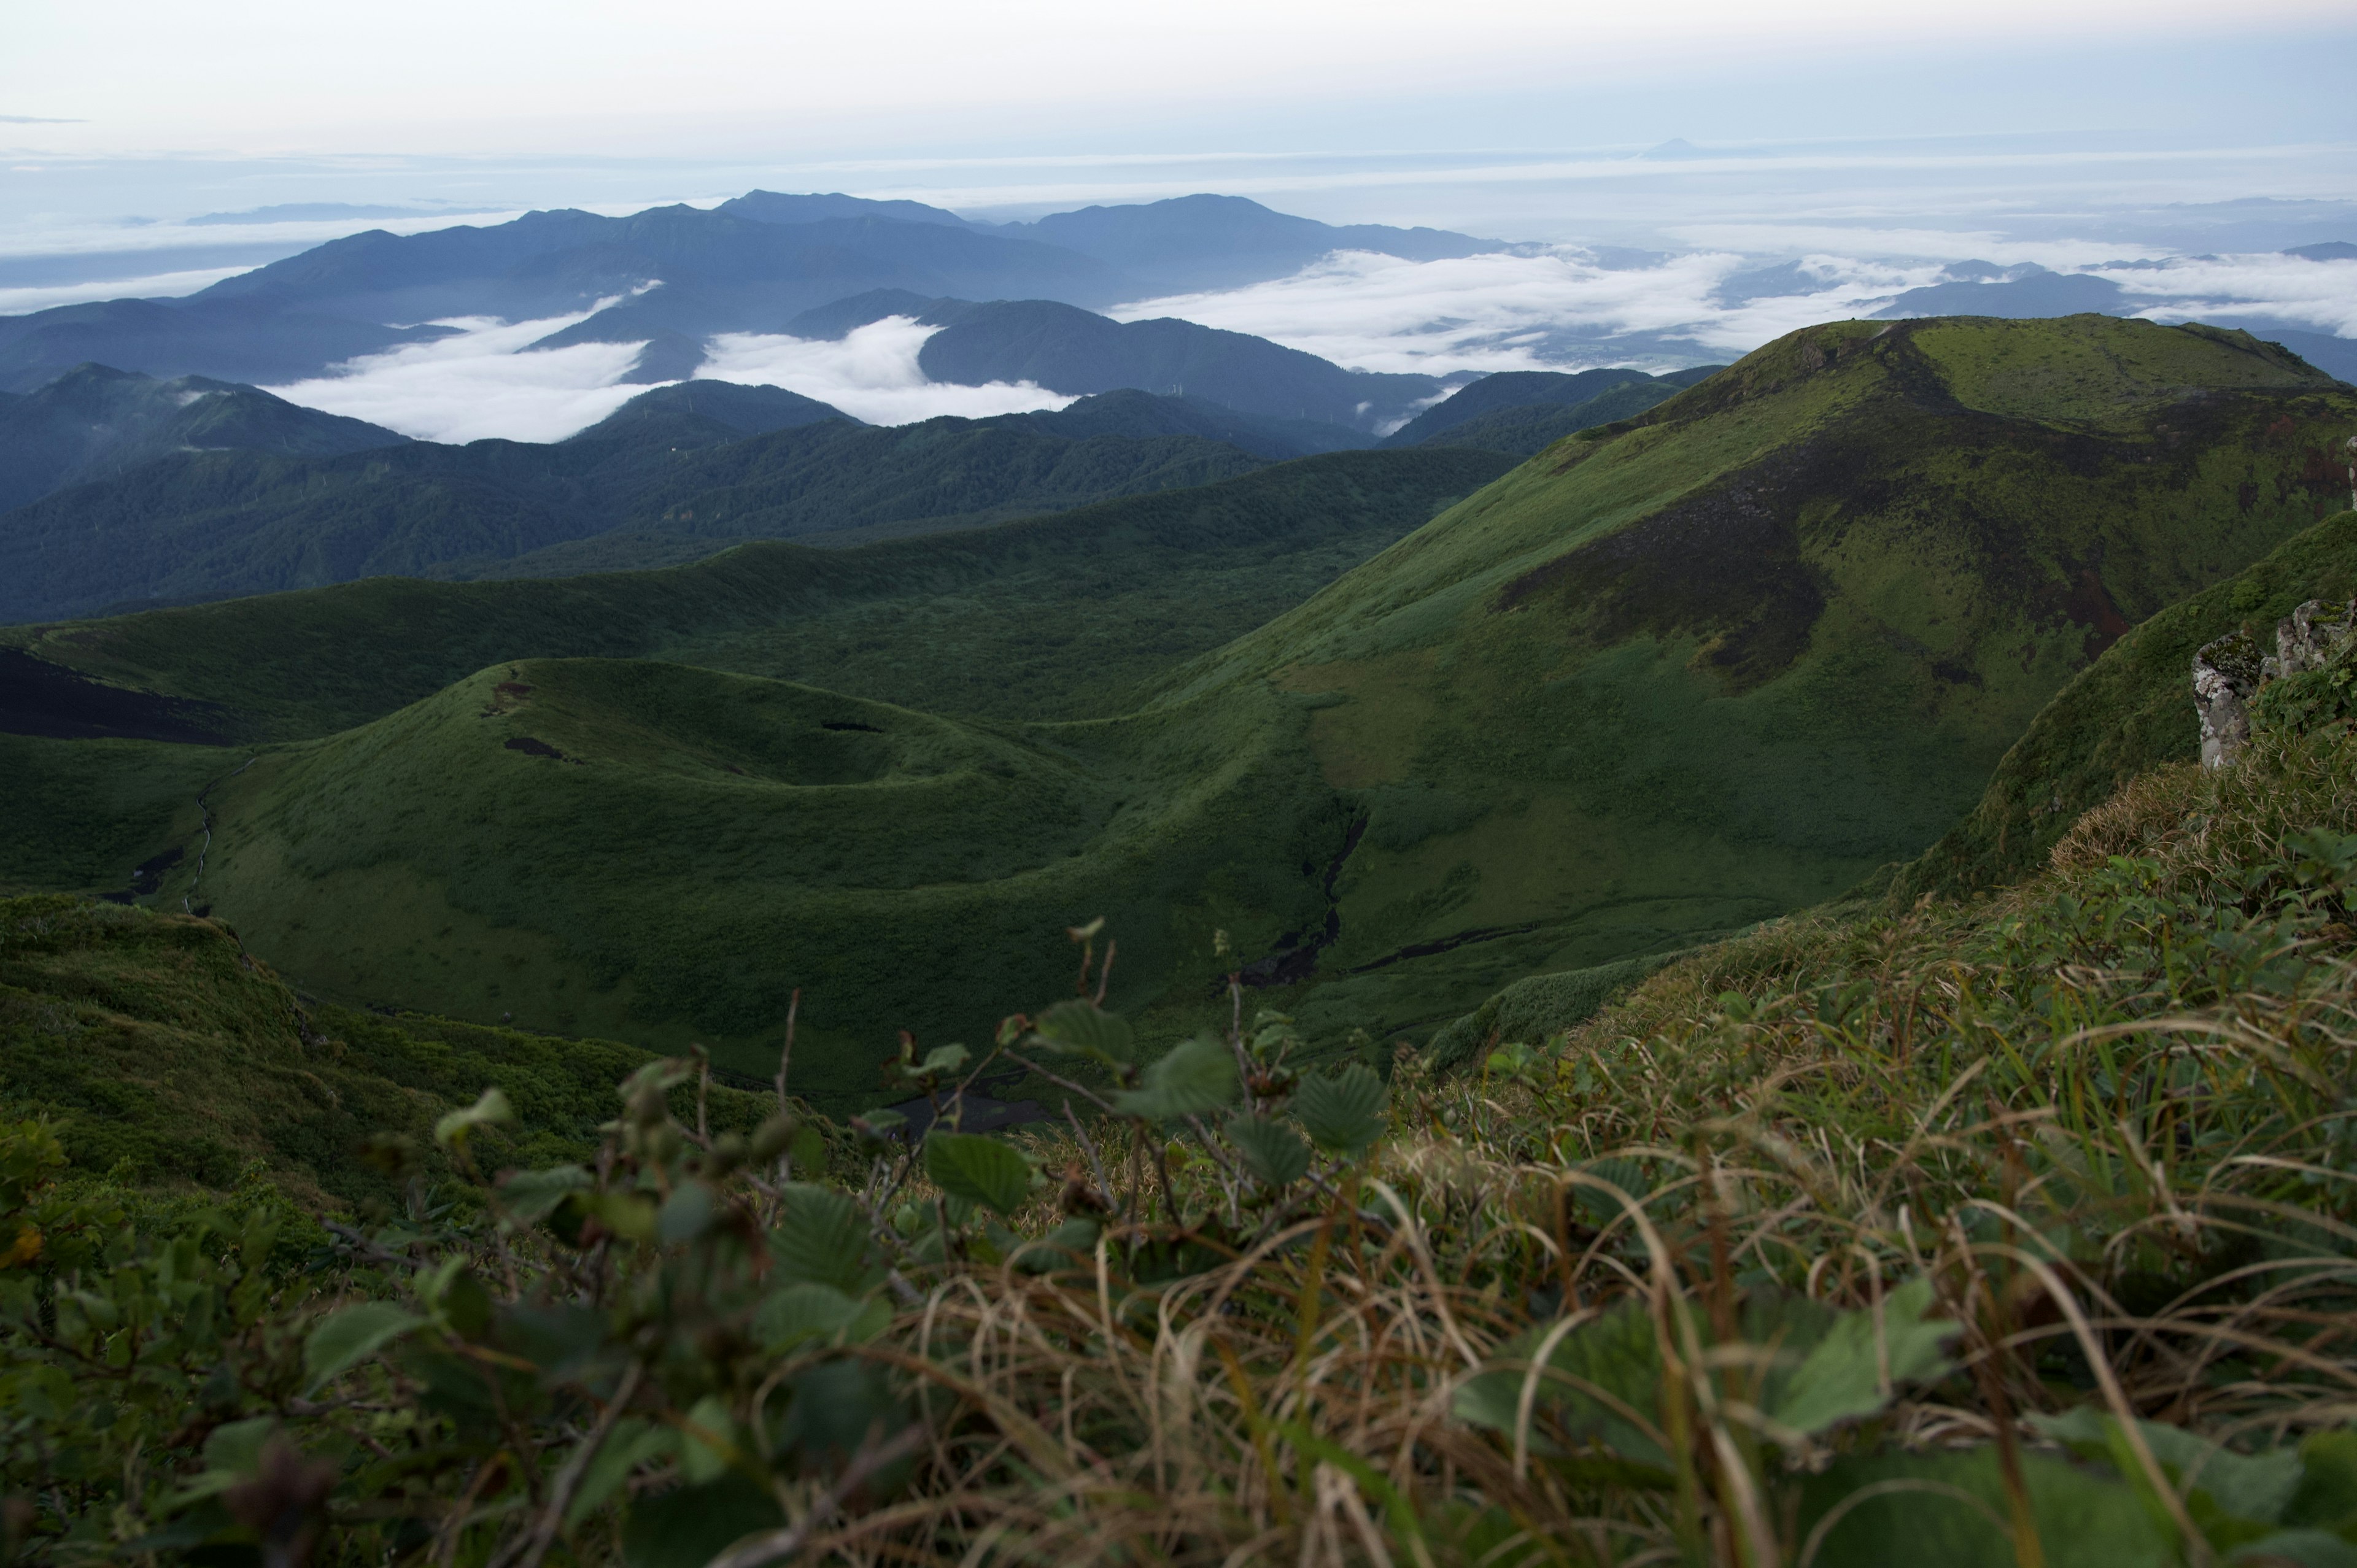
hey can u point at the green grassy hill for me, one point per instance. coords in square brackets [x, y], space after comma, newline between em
[169, 1056]
[1672, 676]
[1675, 675]
[2129, 712]
[1057, 617]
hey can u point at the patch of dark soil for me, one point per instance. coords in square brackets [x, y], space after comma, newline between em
[2090, 604]
[532, 745]
[1725, 563]
[848, 724]
[512, 689]
[38, 697]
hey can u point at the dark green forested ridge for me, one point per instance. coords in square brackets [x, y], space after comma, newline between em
[93, 422]
[212, 525]
[1051, 617]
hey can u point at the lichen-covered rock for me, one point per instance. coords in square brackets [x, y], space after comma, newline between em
[2313, 644]
[2308, 638]
[2226, 676]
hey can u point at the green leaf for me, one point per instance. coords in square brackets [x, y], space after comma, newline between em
[1274, 1152]
[1601, 1383]
[1920, 1518]
[632, 1443]
[1842, 1377]
[708, 1441]
[2326, 1496]
[453, 1131]
[941, 1061]
[351, 1336]
[687, 1214]
[1344, 1114]
[2234, 1497]
[803, 1311]
[1197, 1075]
[2307, 1548]
[1600, 1207]
[821, 1238]
[689, 1526]
[1083, 1030]
[978, 1168]
[531, 1197]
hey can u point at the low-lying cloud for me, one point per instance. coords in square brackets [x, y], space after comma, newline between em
[1539, 308]
[871, 374]
[478, 383]
[1558, 308]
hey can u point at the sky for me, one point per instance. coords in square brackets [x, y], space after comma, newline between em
[1874, 143]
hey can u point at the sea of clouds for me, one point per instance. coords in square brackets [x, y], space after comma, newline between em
[1536, 308]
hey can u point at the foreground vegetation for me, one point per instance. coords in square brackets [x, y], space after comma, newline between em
[2022, 1230]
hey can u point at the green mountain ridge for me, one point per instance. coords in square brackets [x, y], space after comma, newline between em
[195, 526]
[93, 422]
[1675, 674]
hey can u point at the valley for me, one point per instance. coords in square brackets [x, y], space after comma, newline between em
[1678, 674]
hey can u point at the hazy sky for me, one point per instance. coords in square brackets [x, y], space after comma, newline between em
[1871, 141]
[755, 79]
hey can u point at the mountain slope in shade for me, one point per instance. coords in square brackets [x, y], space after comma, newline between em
[1522, 392]
[93, 422]
[700, 460]
[1067, 350]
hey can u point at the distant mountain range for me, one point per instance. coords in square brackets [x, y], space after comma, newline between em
[128, 490]
[93, 423]
[671, 276]
[134, 490]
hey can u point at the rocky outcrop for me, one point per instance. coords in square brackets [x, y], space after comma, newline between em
[2229, 673]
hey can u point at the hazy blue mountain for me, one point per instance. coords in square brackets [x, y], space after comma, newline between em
[1192, 243]
[93, 422]
[2329, 251]
[704, 413]
[1067, 350]
[772, 207]
[703, 460]
[671, 276]
[2029, 291]
[1136, 414]
[1506, 390]
[716, 272]
[1522, 411]
[232, 339]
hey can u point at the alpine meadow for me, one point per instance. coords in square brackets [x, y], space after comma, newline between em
[860, 880]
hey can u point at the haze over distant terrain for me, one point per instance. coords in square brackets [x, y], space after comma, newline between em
[1592, 187]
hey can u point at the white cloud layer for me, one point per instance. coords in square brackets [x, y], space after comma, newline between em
[871, 374]
[1550, 307]
[1540, 308]
[479, 384]
[162, 285]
